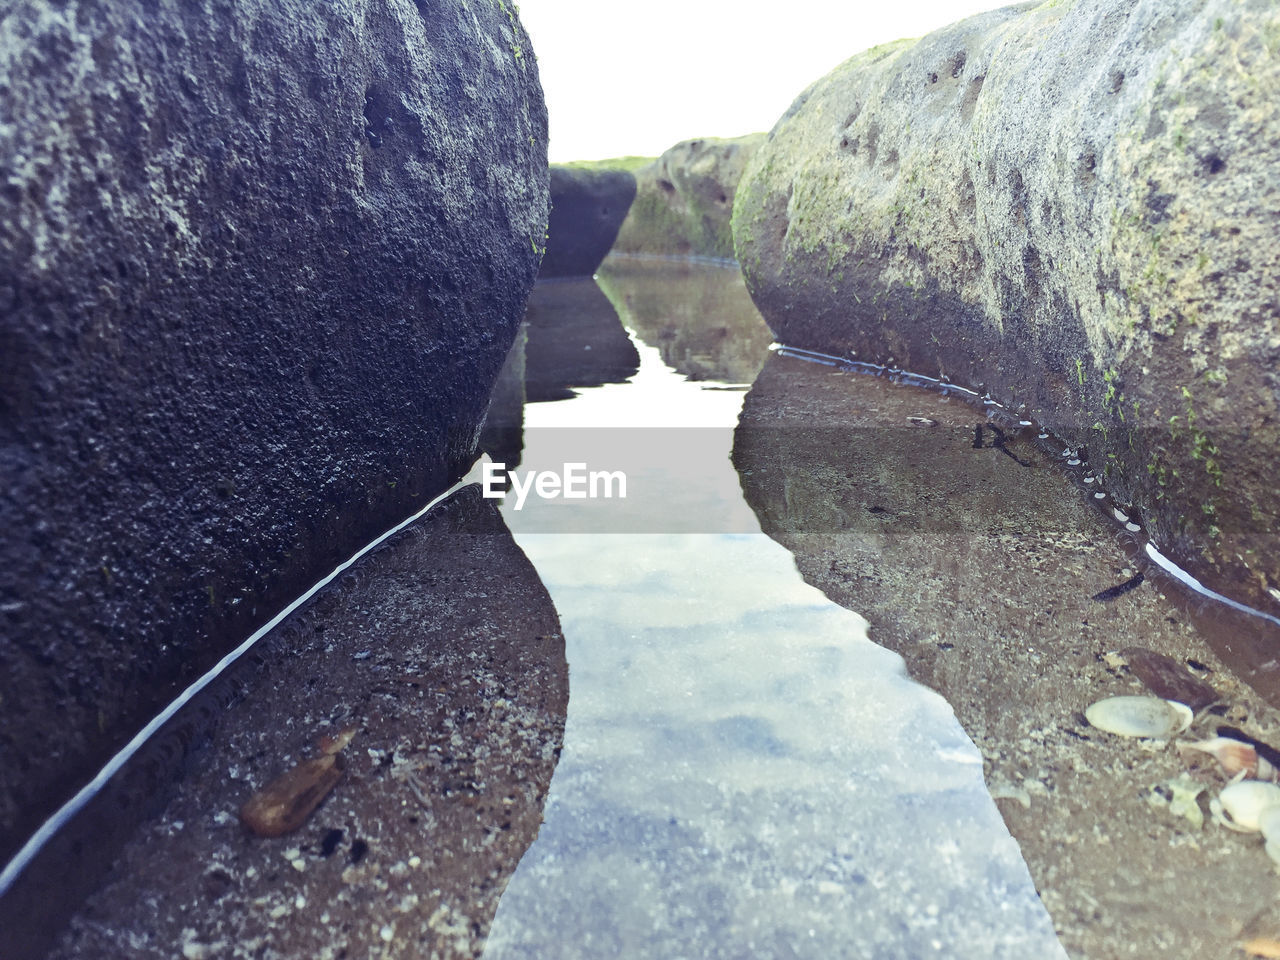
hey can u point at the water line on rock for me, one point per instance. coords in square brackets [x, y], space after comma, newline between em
[918, 379]
[1190, 582]
[64, 814]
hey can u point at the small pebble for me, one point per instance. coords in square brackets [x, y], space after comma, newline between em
[387, 932]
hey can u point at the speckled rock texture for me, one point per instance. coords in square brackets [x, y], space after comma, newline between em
[259, 264]
[1070, 205]
[684, 199]
[587, 207]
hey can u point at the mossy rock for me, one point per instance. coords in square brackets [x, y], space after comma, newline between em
[684, 199]
[1070, 206]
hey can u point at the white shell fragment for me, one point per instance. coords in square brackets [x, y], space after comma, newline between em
[1242, 806]
[1269, 824]
[1234, 756]
[1140, 717]
[1182, 796]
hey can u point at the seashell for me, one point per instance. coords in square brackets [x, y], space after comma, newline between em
[1269, 824]
[1240, 806]
[1265, 947]
[285, 803]
[1140, 716]
[1234, 756]
[334, 743]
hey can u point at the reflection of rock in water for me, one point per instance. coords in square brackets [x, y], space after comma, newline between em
[444, 649]
[575, 340]
[981, 572]
[502, 434]
[698, 315]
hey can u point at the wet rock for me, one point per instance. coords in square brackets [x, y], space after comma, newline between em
[588, 205]
[261, 268]
[684, 199]
[1167, 678]
[1071, 206]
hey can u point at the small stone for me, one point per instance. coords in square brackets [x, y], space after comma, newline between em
[1168, 679]
[387, 932]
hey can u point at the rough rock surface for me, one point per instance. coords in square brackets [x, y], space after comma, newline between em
[588, 204]
[1073, 207]
[259, 265]
[684, 199]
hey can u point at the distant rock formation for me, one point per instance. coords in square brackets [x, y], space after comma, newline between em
[1070, 206]
[684, 199]
[588, 204]
[258, 270]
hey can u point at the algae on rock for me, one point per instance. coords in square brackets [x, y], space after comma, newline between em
[1070, 206]
[684, 199]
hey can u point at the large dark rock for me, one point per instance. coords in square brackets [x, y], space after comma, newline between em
[260, 263]
[588, 204]
[1073, 207]
[684, 199]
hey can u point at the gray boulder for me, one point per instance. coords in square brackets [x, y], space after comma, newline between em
[684, 199]
[588, 204]
[1070, 206]
[260, 263]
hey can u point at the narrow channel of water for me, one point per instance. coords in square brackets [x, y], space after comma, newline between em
[744, 773]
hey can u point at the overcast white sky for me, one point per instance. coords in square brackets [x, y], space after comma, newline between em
[636, 78]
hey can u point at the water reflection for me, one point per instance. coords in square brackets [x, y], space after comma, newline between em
[744, 774]
[443, 650]
[698, 315]
[574, 340]
[986, 569]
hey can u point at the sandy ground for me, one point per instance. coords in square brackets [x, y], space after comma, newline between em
[444, 652]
